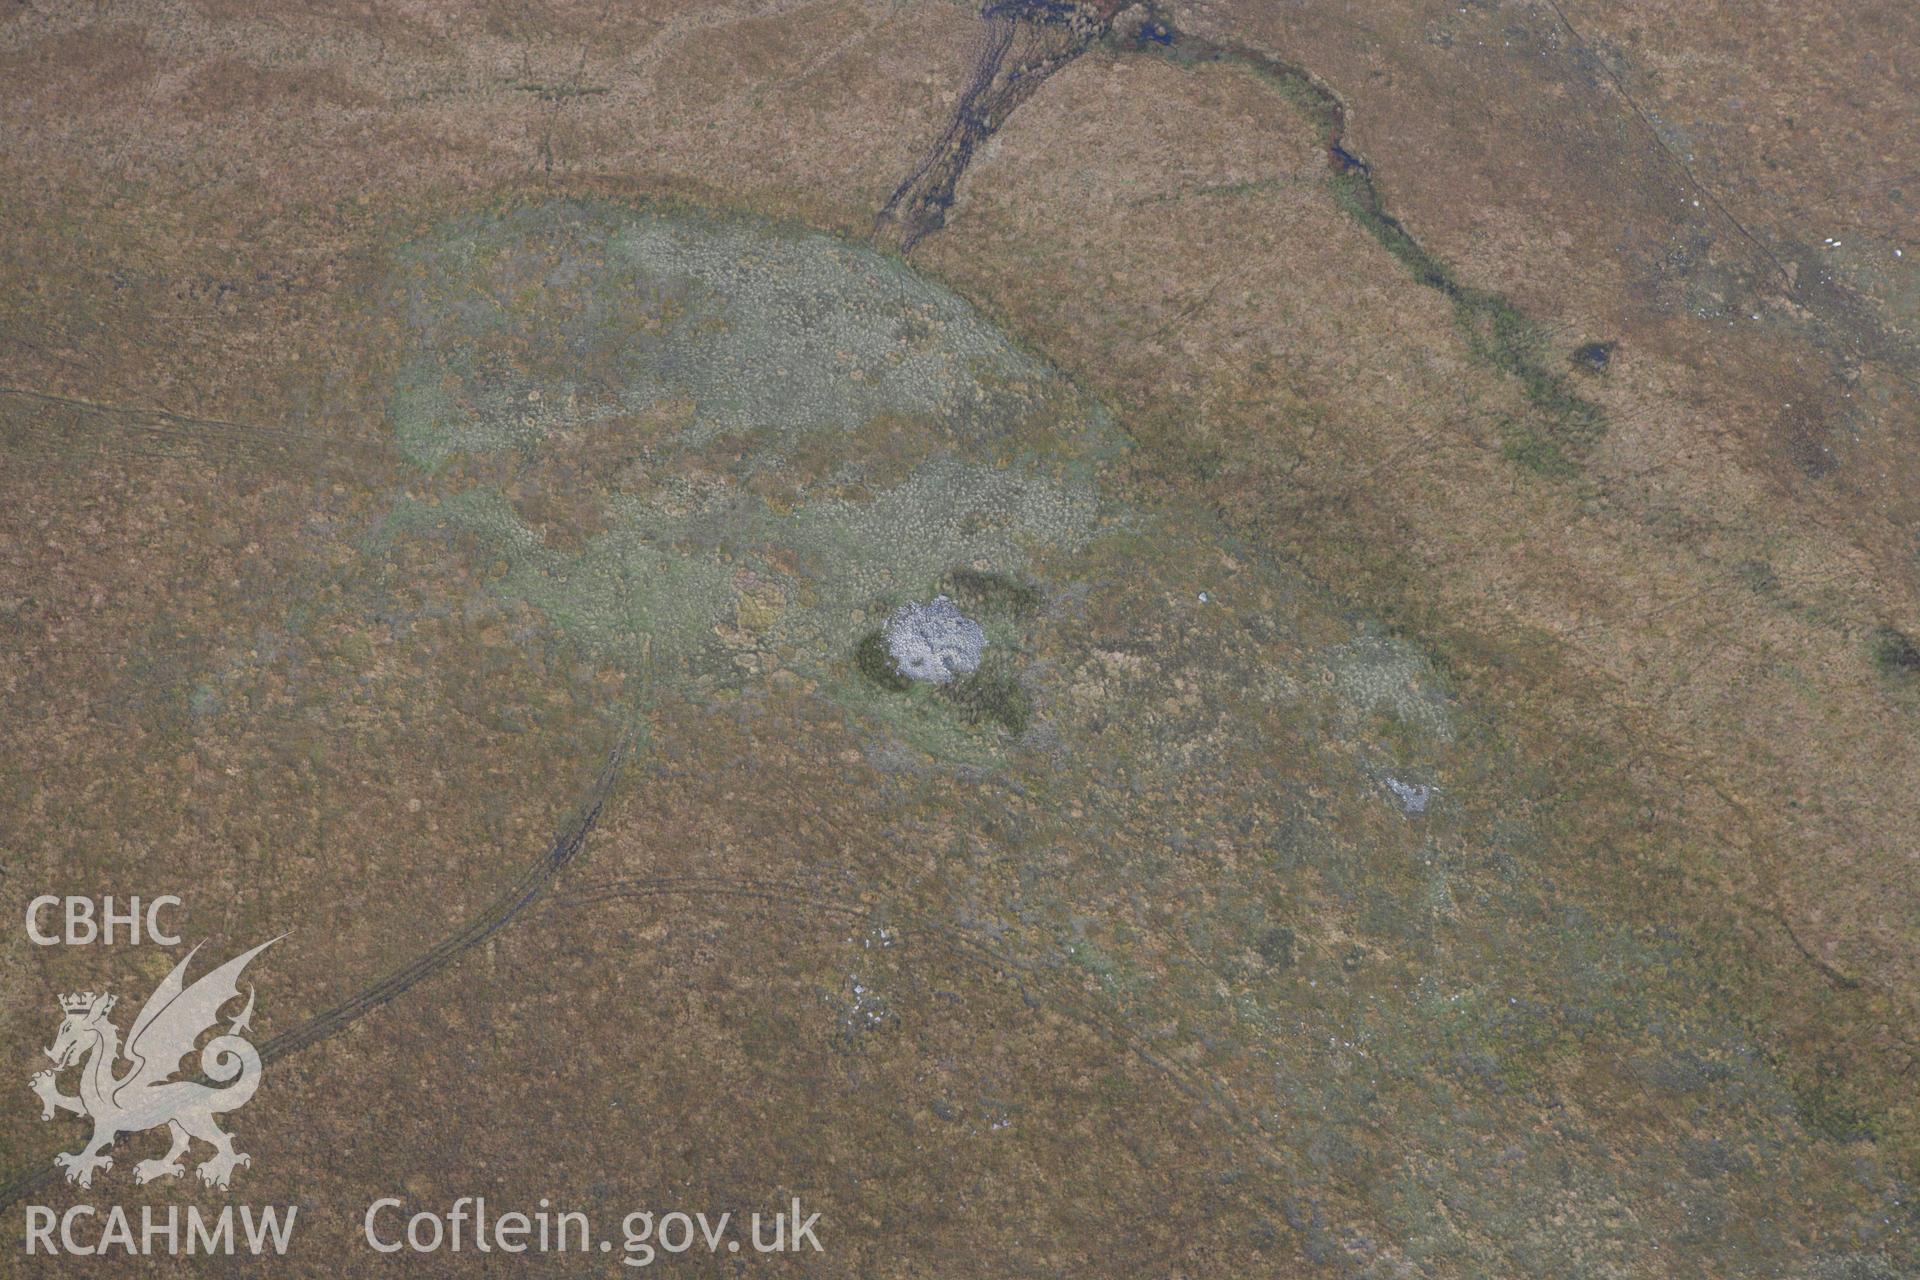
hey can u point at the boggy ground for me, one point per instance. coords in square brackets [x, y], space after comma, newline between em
[335, 577]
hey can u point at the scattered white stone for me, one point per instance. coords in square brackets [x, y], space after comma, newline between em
[934, 642]
[1412, 798]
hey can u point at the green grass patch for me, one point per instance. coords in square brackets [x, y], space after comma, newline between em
[875, 664]
[990, 696]
[1895, 653]
[991, 593]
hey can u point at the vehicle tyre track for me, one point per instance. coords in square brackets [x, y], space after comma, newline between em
[1494, 331]
[532, 884]
[1053, 35]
